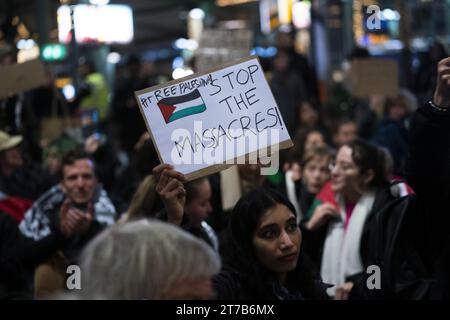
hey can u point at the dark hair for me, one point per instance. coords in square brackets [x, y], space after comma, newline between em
[191, 188]
[369, 157]
[394, 101]
[300, 138]
[318, 152]
[238, 251]
[73, 155]
[340, 123]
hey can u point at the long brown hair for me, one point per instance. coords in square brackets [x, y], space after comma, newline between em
[143, 199]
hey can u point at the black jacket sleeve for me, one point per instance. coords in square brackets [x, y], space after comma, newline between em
[19, 255]
[428, 166]
[418, 237]
[19, 250]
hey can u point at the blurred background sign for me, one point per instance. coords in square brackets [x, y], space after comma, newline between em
[96, 24]
[374, 77]
[218, 46]
[21, 77]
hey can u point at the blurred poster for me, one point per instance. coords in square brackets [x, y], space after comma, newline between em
[374, 77]
[21, 77]
[219, 46]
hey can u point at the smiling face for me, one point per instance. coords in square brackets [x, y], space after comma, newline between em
[345, 175]
[277, 240]
[79, 181]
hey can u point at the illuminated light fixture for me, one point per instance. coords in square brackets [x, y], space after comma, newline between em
[301, 15]
[179, 73]
[62, 82]
[178, 62]
[180, 43]
[68, 92]
[99, 2]
[197, 14]
[53, 52]
[24, 44]
[358, 31]
[389, 14]
[186, 44]
[28, 54]
[96, 24]
[285, 11]
[113, 57]
[195, 23]
[338, 76]
[224, 3]
[191, 44]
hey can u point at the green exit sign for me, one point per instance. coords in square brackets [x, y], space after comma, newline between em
[53, 52]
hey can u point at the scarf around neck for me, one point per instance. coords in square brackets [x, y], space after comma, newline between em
[341, 255]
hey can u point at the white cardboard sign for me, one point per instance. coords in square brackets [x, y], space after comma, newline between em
[205, 122]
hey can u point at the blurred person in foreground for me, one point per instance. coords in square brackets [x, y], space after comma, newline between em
[147, 259]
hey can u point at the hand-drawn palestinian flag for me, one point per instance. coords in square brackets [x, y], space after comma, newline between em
[174, 108]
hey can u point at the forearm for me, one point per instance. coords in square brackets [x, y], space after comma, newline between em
[428, 168]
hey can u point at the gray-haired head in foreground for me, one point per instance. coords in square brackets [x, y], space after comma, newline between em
[143, 260]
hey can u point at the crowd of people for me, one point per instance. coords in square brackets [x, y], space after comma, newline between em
[369, 187]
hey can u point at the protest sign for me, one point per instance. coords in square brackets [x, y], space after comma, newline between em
[221, 117]
[21, 77]
[374, 77]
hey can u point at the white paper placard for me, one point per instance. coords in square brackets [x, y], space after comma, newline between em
[201, 122]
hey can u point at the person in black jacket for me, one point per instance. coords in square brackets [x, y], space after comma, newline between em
[19, 256]
[261, 253]
[411, 237]
[392, 131]
[359, 190]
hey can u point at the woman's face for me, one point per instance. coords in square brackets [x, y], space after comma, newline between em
[277, 240]
[315, 173]
[308, 115]
[398, 111]
[199, 207]
[345, 175]
[314, 140]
